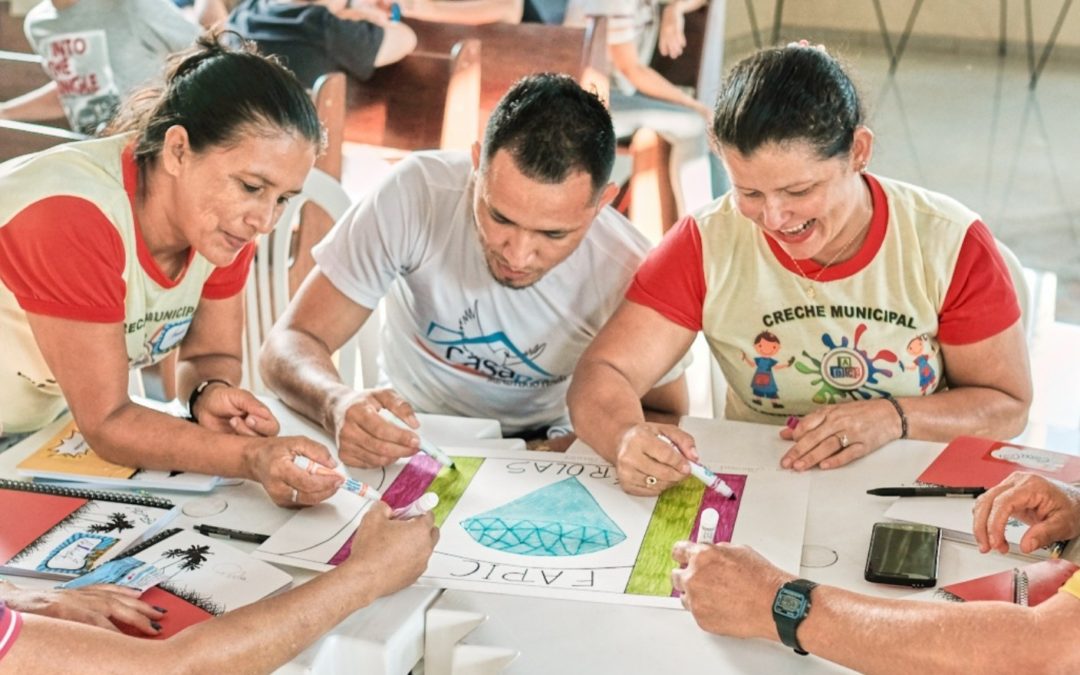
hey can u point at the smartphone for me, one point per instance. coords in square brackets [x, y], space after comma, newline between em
[905, 554]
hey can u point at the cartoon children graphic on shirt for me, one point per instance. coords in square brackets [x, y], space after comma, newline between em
[918, 345]
[763, 383]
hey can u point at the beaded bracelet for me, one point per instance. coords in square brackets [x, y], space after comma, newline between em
[900, 412]
[197, 392]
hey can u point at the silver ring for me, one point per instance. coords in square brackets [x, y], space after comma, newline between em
[843, 441]
[650, 481]
[294, 495]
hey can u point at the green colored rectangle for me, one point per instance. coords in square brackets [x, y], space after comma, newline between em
[672, 518]
[450, 484]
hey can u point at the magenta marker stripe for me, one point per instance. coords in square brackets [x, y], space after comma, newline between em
[413, 480]
[727, 508]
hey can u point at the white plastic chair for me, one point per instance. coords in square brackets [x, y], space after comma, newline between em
[267, 291]
[1036, 292]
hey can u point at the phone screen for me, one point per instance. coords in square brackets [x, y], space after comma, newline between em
[903, 553]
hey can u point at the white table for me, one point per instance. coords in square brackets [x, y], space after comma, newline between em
[555, 636]
[385, 638]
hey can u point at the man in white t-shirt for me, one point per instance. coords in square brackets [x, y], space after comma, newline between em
[498, 269]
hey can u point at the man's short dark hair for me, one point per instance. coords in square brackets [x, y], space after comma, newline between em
[552, 128]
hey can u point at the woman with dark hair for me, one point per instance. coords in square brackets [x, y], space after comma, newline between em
[842, 267]
[118, 250]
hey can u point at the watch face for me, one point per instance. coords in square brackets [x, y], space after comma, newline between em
[790, 604]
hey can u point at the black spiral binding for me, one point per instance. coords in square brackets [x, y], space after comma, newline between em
[157, 538]
[82, 493]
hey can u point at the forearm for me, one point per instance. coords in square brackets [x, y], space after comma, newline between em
[667, 403]
[42, 103]
[253, 639]
[971, 411]
[190, 371]
[874, 635]
[136, 436]
[298, 368]
[469, 12]
[264, 636]
[651, 83]
[687, 6]
[603, 406]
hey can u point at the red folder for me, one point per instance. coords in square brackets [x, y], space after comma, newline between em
[1043, 581]
[981, 462]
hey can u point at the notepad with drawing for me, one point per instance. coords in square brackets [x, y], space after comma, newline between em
[60, 532]
[67, 457]
[197, 577]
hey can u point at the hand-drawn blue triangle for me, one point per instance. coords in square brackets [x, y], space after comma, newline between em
[562, 519]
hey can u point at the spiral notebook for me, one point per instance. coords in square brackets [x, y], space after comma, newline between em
[60, 532]
[196, 577]
[68, 457]
[1026, 585]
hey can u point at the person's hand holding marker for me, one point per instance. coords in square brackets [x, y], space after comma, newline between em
[366, 439]
[270, 462]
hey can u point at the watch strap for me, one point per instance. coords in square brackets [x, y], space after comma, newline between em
[787, 627]
[197, 392]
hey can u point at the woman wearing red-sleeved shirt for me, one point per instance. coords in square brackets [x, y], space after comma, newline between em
[851, 308]
[118, 250]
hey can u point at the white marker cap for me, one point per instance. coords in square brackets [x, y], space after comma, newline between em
[710, 518]
[427, 501]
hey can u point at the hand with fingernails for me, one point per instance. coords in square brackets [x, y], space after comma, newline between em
[270, 462]
[228, 409]
[646, 465]
[365, 439]
[835, 435]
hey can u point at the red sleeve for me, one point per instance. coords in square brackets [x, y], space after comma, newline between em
[10, 626]
[62, 257]
[981, 300]
[225, 282]
[671, 280]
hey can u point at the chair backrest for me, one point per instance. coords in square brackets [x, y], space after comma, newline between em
[428, 100]
[1036, 292]
[329, 97]
[267, 292]
[512, 51]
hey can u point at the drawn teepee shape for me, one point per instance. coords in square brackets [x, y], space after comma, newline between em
[562, 519]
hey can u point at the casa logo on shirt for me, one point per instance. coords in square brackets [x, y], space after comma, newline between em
[490, 354]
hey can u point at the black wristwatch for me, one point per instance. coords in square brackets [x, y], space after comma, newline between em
[790, 607]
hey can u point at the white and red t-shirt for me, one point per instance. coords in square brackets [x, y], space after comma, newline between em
[70, 247]
[929, 273]
[10, 625]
